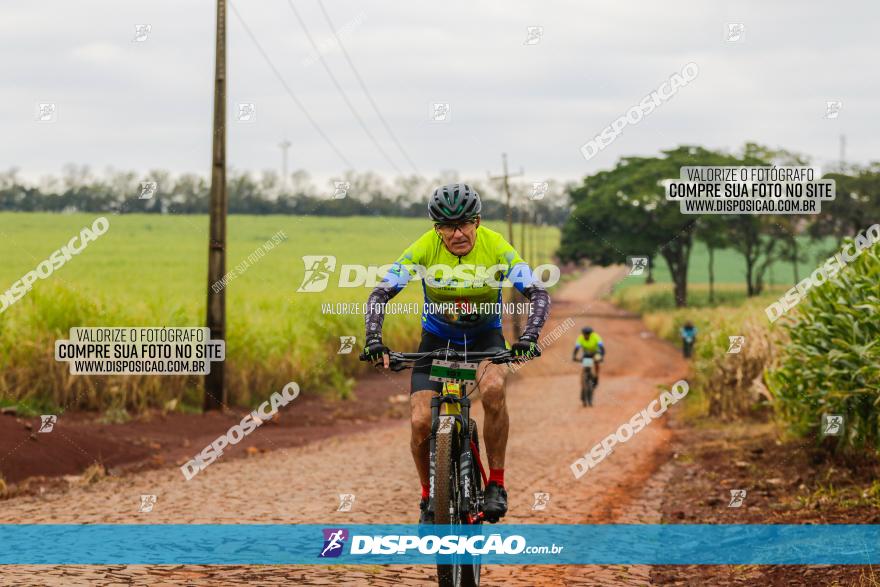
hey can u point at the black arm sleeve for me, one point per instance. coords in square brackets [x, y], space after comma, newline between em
[375, 314]
[539, 312]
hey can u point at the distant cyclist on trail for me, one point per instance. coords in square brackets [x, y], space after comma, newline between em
[688, 337]
[472, 322]
[590, 344]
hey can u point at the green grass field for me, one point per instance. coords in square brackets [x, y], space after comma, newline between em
[151, 270]
[730, 266]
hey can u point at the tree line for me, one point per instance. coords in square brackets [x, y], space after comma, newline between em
[623, 211]
[78, 189]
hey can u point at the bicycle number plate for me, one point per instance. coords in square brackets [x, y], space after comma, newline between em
[587, 361]
[453, 371]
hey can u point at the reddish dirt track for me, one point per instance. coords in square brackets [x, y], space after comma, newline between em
[549, 430]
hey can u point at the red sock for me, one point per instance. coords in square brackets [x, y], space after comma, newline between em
[426, 491]
[496, 475]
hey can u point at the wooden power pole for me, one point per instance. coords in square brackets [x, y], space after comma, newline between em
[505, 177]
[285, 144]
[533, 239]
[215, 383]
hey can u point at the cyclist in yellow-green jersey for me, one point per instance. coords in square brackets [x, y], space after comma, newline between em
[590, 344]
[462, 266]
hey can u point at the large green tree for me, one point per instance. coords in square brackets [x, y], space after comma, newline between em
[623, 212]
[760, 238]
[856, 206]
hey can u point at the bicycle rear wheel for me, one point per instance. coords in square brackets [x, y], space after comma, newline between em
[589, 387]
[586, 388]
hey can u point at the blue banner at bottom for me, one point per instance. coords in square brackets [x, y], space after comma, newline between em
[333, 543]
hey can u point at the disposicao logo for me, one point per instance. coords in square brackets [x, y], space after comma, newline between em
[334, 540]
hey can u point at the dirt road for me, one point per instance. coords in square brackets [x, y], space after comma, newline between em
[549, 430]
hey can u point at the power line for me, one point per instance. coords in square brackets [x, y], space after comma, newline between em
[339, 88]
[360, 80]
[288, 90]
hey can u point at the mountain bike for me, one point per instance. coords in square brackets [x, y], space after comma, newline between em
[588, 378]
[456, 495]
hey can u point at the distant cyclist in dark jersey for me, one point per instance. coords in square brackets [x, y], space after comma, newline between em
[477, 261]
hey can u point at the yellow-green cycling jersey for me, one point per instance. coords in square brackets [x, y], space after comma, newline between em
[462, 293]
[464, 290]
[590, 345]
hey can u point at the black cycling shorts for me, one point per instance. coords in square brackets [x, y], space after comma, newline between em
[493, 340]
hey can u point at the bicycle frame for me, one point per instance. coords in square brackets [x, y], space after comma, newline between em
[450, 414]
[452, 406]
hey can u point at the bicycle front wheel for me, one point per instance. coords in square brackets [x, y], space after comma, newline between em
[445, 494]
[470, 576]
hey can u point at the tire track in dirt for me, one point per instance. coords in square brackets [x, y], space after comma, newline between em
[549, 430]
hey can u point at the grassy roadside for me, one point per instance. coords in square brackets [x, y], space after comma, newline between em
[740, 444]
[785, 482]
[150, 270]
[723, 383]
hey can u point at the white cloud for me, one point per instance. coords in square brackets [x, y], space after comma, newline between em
[148, 105]
[97, 53]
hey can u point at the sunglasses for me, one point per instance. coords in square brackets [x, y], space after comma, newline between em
[449, 229]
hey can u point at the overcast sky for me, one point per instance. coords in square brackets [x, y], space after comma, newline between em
[147, 105]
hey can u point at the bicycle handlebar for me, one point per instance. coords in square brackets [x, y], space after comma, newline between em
[402, 359]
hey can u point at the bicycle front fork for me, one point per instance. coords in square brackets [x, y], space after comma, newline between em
[465, 457]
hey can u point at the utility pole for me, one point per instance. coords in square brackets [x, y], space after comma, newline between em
[842, 153]
[285, 144]
[215, 384]
[505, 177]
[533, 239]
[539, 238]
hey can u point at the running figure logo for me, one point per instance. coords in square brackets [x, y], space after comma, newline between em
[340, 189]
[440, 112]
[318, 270]
[141, 32]
[334, 540]
[736, 344]
[539, 190]
[541, 501]
[637, 265]
[832, 424]
[534, 34]
[832, 109]
[47, 423]
[346, 344]
[148, 189]
[735, 31]
[247, 112]
[47, 112]
[346, 501]
[147, 503]
[736, 498]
